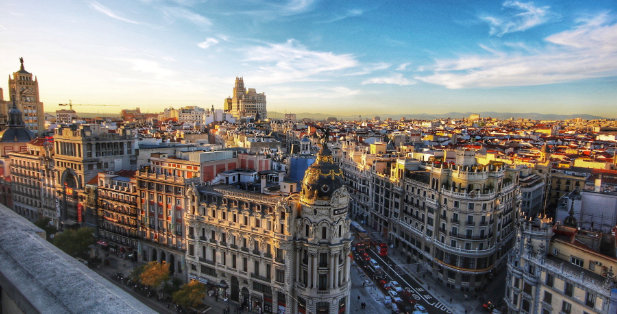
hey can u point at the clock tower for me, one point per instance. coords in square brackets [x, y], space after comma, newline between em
[26, 95]
[322, 239]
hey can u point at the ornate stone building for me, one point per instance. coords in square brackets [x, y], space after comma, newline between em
[557, 268]
[25, 91]
[246, 103]
[117, 206]
[278, 254]
[81, 152]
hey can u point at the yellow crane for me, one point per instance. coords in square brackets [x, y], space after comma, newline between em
[70, 104]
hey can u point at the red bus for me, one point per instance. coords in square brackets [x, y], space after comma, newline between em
[382, 249]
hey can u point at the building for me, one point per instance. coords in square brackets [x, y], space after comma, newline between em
[81, 152]
[25, 93]
[16, 136]
[192, 115]
[561, 269]
[246, 102]
[32, 178]
[161, 203]
[273, 253]
[117, 209]
[66, 116]
[532, 193]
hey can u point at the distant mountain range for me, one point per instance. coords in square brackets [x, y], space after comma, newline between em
[429, 116]
[420, 116]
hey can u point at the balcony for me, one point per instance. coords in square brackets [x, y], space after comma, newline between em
[245, 249]
[262, 278]
[256, 252]
[470, 223]
[454, 221]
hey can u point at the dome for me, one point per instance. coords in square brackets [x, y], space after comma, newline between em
[305, 139]
[17, 131]
[322, 178]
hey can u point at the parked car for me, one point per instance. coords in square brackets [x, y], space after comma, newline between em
[396, 286]
[395, 296]
[420, 310]
[387, 301]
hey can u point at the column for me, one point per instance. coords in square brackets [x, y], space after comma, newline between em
[331, 272]
[315, 277]
[336, 278]
[298, 263]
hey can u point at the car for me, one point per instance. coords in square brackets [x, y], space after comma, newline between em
[383, 285]
[395, 297]
[420, 310]
[396, 286]
[394, 308]
[387, 301]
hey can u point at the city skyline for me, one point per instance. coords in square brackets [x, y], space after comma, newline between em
[312, 56]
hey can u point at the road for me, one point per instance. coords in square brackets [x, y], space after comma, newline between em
[423, 297]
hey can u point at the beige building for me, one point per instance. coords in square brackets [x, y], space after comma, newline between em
[271, 253]
[32, 181]
[117, 208]
[81, 152]
[246, 102]
[561, 269]
[25, 90]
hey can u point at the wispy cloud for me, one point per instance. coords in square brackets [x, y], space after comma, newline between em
[589, 50]
[105, 10]
[521, 16]
[295, 6]
[370, 68]
[147, 66]
[287, 93]
[291, 61]
[209, 42]
[175, 13]
[348, 14]
[394, 79]
[403, 66]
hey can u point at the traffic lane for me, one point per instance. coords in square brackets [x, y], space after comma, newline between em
[421, 296]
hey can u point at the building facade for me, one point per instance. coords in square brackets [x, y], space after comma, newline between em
[81, 152]
[32, 180]
[117, 208]
[24, 89]
[272, 253]
[161, 203]
[560, 269]
[246, 102]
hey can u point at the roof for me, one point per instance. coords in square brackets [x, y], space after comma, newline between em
[14, 134]
[65, 285]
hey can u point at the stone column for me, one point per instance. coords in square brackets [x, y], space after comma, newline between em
[315, 276]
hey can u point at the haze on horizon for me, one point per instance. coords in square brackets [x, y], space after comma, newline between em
[318, 56]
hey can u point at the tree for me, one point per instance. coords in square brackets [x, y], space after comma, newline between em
[75, 242]
[154, 274]
[43, 223]
[136, 272]
[190, 294]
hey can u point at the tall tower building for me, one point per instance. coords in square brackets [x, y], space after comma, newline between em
[246, 103]
[26, 94]
[323, 240]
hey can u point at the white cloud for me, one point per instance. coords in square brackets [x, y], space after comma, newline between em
[589, 50]
[291, 61]
[296, 6]
[403, 66]
[187, 15]
[146, 66]
[105, 10]
[287, 93]
[525, 15]
[394, 79]
[209, 42]
[370, 68]
[348, 14]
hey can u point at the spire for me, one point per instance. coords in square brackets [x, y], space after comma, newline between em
[14, 113]
[21, 60]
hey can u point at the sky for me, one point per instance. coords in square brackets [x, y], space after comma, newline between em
[335, 57]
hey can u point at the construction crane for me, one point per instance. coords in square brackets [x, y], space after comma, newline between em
[70, 104]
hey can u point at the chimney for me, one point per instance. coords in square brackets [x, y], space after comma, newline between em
[263, 183]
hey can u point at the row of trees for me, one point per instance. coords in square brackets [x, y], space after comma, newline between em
[156, 276]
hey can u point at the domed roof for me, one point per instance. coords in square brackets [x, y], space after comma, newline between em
[305, 139]
[322, 178]
[17, 131]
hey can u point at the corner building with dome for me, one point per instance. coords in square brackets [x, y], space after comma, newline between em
[274, 253]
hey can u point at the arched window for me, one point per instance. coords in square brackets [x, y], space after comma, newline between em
[323, 232]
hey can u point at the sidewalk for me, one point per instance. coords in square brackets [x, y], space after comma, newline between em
[457, 301]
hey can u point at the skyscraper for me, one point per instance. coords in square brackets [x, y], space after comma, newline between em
[25, 90]
[246, 103]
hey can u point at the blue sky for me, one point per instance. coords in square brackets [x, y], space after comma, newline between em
[339, 57]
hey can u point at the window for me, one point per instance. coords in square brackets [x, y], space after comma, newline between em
[517, 282]
[323, 281]
[323, 260]
[244, 264]
[590, 300]
[569, 289]
[576, 261]
[527, 288]
[306, 231]
[233, 261]
[470, 206]
[256, 268]
[525, 305]
[323, 232]
[280, 275]
[257, 223]
[566, 307]
[455, 204]
[550, 280]
[548, 297]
